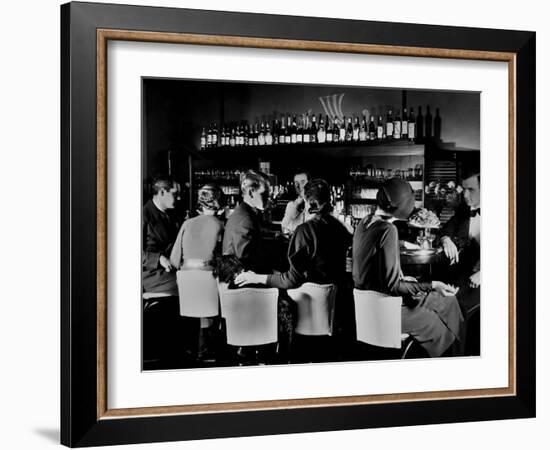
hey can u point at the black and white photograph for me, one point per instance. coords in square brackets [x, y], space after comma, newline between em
[307, 224]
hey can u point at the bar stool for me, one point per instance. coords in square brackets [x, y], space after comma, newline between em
[378, 321]
[250, 316]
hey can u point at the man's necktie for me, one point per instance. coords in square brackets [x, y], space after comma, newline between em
[474, 212]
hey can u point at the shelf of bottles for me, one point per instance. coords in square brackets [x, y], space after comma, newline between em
[307, 129]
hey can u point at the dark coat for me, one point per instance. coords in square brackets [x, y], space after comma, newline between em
[159, 231]
[243, 238]
[316, 253]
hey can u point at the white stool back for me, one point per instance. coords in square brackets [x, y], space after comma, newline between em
[315, 308]
[198, 293]
[378, 318]
[250, 315]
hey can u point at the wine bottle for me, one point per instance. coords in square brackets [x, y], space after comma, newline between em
[356, 130]
[233, 138]
[380, 129]
[215, 135]
[328, 130]
[363, 132]
[282, 131]
[300, 130]
[288, 135]
[412, 126]
[389, 125]
[293, 132]
[372, 129]
[437, 124]
[307, 131]
[343, 132]
[349, 131]
[335, 130]
[321, 134]
[397, 127]
[404, 124]
[261, 135]
[268, 135]
[313, 136]
[209, 136]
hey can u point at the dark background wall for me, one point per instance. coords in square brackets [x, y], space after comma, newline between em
[176, 111]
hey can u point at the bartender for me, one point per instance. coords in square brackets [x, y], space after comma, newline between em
[295, 213]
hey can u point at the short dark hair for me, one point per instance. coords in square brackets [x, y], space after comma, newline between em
[162, 182]
[254, 180]
[226, 268]
[299, 171]
[317, 194]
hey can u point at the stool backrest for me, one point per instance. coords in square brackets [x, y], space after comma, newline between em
[250, 315]
[377, 318]
[315, 304]
[198, 293]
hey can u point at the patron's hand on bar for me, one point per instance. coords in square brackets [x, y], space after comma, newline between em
[444, 289]
[165, 263]
[249, 278]
[450, 249]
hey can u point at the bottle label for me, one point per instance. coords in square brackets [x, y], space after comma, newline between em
[355, 135]
[321, 137]
[389, 129]
[299, 138]
[287, 139]
[306, 138]
[397, 129]
[404, 127]
[261, 139]
[281, 139]
[412, 130]
[362, 135]
[269, 139]
[329, 137]
[203, 142]
[293, 139]
[380, 132]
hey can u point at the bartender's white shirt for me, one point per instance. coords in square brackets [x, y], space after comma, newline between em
[475, 227]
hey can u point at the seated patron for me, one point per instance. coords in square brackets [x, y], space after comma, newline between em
[317, 249]
[430, 312]
[159, 231]
[243, 229]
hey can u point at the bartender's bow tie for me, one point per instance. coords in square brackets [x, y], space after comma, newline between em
[474, 212]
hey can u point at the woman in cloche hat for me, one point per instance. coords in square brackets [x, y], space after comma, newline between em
[430, 312]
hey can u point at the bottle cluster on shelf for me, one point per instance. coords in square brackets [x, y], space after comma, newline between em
[368, 173]
[308, 129]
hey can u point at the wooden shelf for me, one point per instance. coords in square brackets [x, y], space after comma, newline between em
[330, 150]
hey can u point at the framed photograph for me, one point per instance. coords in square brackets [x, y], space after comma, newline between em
[272, 224]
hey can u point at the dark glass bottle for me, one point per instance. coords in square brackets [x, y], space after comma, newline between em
[389, 125]
[428, 127]
[372, 129]
[404, 124]
[437, 125]
[412, 126]
[419, 126]
[313, 131]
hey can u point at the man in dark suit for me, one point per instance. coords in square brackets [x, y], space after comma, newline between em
[242, 236]
[460, 239]
[159, 231]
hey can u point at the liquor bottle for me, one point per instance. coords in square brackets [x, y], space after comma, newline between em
[313, 136]
[209, 137]
[389, 125]
[349, 131]
[246, 135]
[261, 135]
[437, 125]
[356, 129]
[372, 129]
[215, 135]
[404, 124]
[428, 120]
[335, 130]
[203, 139]
[328, 130]
[380, 129]
[300, 130]
[343, 131]
[307, 131]
[363, 132]
[321, 133]
[288, 136]
[349, 260]
[419, 126]
[255, 135]
[282, 131]
[397, 127]
[268, 135]
[233, 138]
[293, 132]
[412, 126]
[275, 132]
